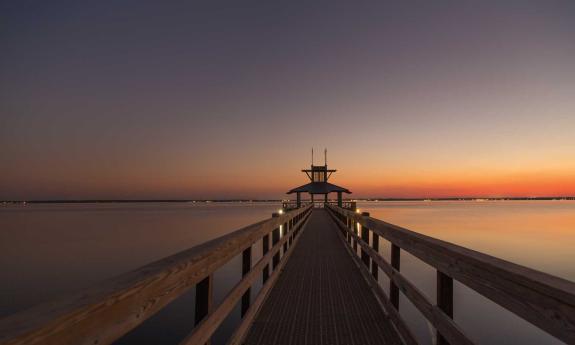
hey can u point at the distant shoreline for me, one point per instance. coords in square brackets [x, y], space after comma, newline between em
[86, 201]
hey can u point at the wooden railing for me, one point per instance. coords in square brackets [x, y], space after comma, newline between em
[290, 204]
[548, 302]
[348, 205]
[106, 312]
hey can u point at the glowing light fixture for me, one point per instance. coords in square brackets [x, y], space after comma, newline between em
[281, 211]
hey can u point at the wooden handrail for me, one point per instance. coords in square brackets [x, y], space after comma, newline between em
[104, 313]
[291, 204]
[202, 333]
[546, 301]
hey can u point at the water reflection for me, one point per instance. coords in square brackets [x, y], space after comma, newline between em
[69, 247]
[537, 234]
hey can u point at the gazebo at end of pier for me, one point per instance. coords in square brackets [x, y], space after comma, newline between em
[319, 175]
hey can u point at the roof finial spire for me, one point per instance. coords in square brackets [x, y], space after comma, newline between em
[325, 156]
[312, 156]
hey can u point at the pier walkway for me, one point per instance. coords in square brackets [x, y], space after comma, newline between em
[320, 296]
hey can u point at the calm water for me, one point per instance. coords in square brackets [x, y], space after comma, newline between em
[63, 248]
[537, 234]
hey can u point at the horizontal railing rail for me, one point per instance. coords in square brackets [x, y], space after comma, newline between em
[546, 301]
[104, 313]
[348, 205]
[291, 204]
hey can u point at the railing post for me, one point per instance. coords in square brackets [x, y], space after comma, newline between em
[347, 221]
[349, 228]
[246, 267]
[265, 250]
[275, 239]
[204, 296]
[353, 222]
[350, 237]
[393, 289]
[365, 238]
[375, 246]
[285, 233]
[444, 299]
[290, 232]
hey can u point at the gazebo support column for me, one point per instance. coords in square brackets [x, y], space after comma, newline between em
[298, 199]
[339, 199]
[311, 196]
[325, 198]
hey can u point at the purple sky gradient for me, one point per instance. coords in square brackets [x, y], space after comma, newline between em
[142, 99]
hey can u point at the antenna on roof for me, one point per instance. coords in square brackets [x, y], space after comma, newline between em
[325, 157]
[312, 156]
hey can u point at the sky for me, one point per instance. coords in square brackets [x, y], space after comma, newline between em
[225, 99]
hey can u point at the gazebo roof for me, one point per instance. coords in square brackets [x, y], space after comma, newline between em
[319, 188]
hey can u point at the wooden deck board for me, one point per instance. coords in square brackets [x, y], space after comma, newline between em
[321, 296]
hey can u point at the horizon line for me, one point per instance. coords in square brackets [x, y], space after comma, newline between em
[467, 198]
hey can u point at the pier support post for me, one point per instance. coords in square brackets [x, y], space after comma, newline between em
[246, 267]
[444, 299]
[365, 238]
[339, 199]
[298, 199]
[393, 289]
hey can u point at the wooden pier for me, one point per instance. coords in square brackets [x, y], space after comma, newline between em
[321, 296]
[319, 271]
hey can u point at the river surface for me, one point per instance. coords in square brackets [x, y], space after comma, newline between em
[48, 250]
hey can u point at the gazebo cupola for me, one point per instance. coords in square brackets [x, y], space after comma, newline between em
[319, 175]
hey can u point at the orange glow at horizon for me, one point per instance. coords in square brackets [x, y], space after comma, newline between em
[263, 178]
